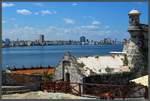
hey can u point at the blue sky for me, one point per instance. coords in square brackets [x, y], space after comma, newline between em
[68, 20]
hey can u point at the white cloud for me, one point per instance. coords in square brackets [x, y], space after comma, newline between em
[106, 27]
[95, 22]
[8, 21]
[54, 12]
[36, 13]
[69, 21]
[94, 29]
[3, 21]
[46, 12]
[7, 4]
[90, 27]
[89, 17]
[30, 32]
[39, 4]
[12, 19]
[74, 4]
[108, 32]
[24, 12]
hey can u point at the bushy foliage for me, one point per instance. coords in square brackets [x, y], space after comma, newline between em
[96, 56]
[47, 77]
[81, 64]
[125, 61]
[111, 78]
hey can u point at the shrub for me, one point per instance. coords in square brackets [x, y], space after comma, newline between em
[125, 61]
[47, 77]
[81, 64]
[96, 56]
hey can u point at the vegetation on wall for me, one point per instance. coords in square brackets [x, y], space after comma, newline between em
[115, 78]
[46, 76]
[81, 64]
[125, 61]
[97, 57]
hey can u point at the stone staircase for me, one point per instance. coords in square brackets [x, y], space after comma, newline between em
[15, 89]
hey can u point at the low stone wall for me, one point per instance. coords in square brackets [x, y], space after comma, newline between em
[117, 91]
[117, 83]
[32, 81]
[115, 78]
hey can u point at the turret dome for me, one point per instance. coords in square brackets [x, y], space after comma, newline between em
[134, 12]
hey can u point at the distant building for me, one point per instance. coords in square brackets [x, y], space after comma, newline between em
[82, 40]
[87, 41]
[29, 43]
[7, 42]
[41, 39]
[3, 43]
[107, 41]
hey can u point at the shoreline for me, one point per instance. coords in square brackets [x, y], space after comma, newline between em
[60, 45]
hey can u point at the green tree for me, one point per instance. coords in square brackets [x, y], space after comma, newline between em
[46, 76]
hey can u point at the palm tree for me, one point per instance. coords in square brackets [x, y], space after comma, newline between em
[47, 76]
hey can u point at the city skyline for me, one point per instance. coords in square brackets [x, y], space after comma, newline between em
[68, 20]
[42, 42]
[42, 38]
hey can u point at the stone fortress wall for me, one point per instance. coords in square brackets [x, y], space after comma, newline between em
[137, 47]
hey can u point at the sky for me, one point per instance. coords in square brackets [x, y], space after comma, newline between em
[68, 20]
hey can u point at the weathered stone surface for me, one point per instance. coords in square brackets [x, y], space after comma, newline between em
[70, 66]
[137, 48]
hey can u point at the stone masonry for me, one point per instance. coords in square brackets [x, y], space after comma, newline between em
[137, 47]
